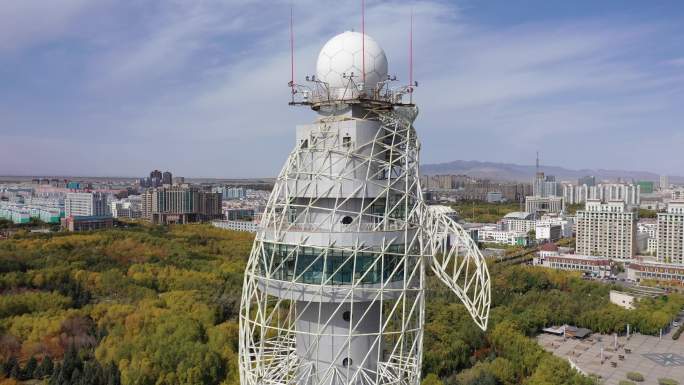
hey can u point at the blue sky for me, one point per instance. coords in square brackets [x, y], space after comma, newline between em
[117, 88]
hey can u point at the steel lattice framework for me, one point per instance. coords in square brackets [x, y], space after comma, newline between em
[334, 290]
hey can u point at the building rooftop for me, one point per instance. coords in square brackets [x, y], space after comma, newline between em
[548, 247]
[519, 215]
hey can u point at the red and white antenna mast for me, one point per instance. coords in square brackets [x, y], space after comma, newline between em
[292, 83]
[411, 60]
[363, 41]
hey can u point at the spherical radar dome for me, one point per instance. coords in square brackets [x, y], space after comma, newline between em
[343, 54]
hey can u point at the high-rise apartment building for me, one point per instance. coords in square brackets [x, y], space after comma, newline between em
[167, 178]
[180, 205]
[574, 194]
[605, 192]
[86, 204]
[670, 234]
[545, 186]
[608, 192]
[606, 230]
[155, 178]
[664, 182]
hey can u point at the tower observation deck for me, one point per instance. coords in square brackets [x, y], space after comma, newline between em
[334, 289]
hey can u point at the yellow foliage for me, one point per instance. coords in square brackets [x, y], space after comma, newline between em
[33, 327]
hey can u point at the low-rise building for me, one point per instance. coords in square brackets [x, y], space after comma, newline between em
[490, 234]
[595, 266]
[249, 226]
[517, 221]
[622, 299]
[494, 197]
[547, 250]
[548, 232]
[87, 223]
[567, 223]
[658, 271]
[20, 213]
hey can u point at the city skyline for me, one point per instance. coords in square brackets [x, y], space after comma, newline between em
[111, 89]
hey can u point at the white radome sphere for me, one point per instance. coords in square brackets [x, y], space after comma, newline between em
[343, 54]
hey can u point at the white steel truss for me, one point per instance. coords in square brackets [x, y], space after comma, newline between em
[334, 290]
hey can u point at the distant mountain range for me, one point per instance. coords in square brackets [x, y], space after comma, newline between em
[517, 172]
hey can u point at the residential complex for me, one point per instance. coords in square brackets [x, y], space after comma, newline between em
[47, 211]
[461, 187]
[607, 230]
[605, 192]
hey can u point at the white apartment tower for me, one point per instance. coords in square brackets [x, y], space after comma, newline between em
[664, 182]
[86, 204]
[606, 230]
[670, 234]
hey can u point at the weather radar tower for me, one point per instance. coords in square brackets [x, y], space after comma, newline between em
[334, 290]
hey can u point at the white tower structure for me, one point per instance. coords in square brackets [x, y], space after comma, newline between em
[334, 290]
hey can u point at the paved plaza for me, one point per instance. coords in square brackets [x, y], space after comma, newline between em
[651, 356]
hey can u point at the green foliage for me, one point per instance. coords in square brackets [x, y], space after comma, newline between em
[635, 376]
[30, 302]
[667, 381]
[143, 305]
[158, 305]
[626, 382]
[572, 209]
[645, 213]
[431, 379]
[524, 300]
[555, 370]
[45, 368]
[478, 211]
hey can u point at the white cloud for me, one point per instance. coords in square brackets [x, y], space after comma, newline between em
[200, 87]
[28, 22]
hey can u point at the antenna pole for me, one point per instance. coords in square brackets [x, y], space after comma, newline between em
[363, 41]
[411, 60]
[292, 84]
